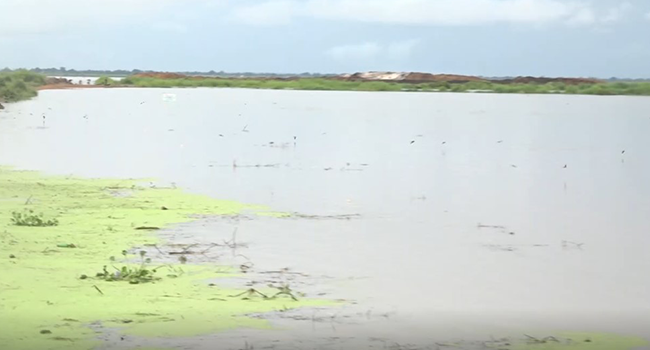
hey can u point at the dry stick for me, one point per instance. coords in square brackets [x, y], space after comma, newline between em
[491, 226]
[158, 249]
[233, 243]
[29, 200]
[185, 250]
[211, 246]
[282, 292]
[250, 291]
[99, 290]
[243, 256]
[534, 339]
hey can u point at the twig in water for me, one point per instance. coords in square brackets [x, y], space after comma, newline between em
[99, 290]
[245, 267]
[565, 244]
[210, 247]
[491, 226]
[185, 251]
[284, 290]
[251, 292]
[158, 249]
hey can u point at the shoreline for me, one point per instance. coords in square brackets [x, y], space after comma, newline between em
[54, 265]
[376, 82]
[181, 308]
[522, 91]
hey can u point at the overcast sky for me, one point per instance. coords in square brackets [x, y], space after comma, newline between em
[599, 38]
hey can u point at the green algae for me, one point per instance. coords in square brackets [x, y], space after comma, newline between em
[41, 288]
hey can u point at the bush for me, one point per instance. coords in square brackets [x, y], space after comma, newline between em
[19, 85]
[105, 80]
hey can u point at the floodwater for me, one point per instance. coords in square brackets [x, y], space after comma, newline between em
[442, 216]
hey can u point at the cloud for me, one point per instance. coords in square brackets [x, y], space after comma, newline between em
[397, 51]
[616, 13]
[588, 16]
[359, 52]
[266, 13]
[647, 16]
[431, 12]
[49, 16]
[403, 49]
[170, 27]
[585, 16]
[420, 12]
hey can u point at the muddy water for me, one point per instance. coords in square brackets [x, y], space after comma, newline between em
[440, 215]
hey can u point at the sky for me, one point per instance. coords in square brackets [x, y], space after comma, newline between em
[585, 38]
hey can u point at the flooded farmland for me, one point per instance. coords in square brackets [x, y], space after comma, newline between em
[437, 219]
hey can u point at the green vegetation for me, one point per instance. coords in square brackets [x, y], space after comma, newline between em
[106, 81]
[28, 218]
[44, 272]
[19, 85]
[619, 88]
[137, 275]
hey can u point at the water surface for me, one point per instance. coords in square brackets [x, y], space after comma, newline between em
[564, 179]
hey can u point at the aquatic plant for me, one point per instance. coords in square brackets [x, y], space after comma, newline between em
[29, 218]
[137, 275]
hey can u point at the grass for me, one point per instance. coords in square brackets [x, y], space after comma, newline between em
[106, 81]
[19, 85]
[321, 84]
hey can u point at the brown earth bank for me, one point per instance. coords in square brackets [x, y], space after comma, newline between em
[399, 77]
[396, 77]
[55, 81]
[534, 80]
[62, 83]
[64, 86]
[165, 75]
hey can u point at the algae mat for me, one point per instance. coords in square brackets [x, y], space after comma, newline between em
[45, 303]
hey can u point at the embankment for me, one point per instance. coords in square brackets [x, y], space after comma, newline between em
[390, 81]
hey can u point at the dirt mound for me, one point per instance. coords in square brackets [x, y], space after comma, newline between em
[408, 77]
[451, 78]
[416, 77]
[57, 81]
[543, 80]
[161, 75]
